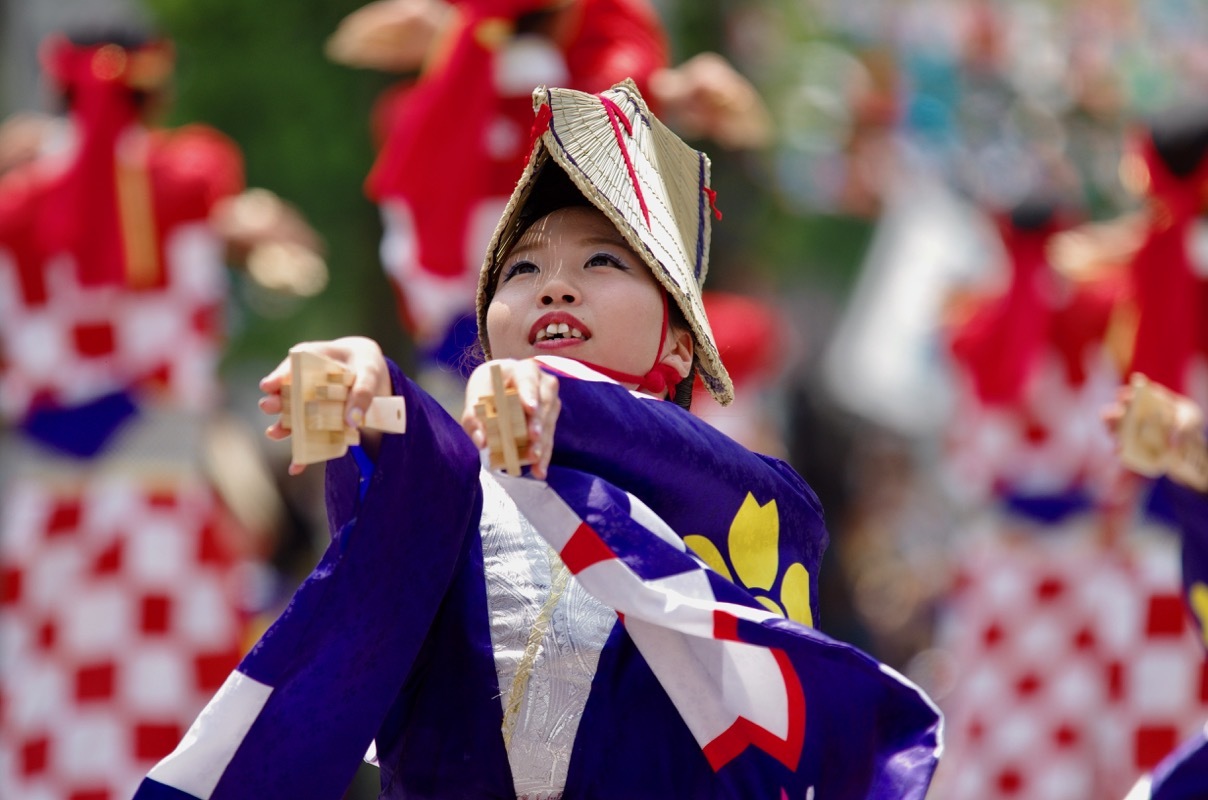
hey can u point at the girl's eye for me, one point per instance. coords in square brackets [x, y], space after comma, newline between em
[605, 260]
[519, 268]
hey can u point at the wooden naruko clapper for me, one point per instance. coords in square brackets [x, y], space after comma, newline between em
[508, 444]
[312, 409]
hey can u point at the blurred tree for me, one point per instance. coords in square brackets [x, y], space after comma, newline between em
[766, 238]
[258, 73]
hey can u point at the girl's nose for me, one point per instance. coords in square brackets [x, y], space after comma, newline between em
[559, 287]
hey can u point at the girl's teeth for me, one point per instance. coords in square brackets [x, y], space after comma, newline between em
[558, 329]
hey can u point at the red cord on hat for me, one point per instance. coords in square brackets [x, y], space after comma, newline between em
[540, 124]
[615, 114]
[712, 195]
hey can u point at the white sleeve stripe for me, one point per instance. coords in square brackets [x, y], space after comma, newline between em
[198, 762]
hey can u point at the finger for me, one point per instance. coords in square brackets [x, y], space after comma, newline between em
[543, 425]
[271, 404]
[364, 388]
[548, 408]
[276, 432]
[272, 382]
[534, 410]
[474, 391]
[533, 387]
[526, 377]
[296, 469]
[547, 437]
[474, 428]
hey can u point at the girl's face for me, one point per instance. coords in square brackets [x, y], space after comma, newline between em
[572, 287]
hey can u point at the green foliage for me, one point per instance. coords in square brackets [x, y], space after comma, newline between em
[256, 71]
[694, 26]
[762, 239]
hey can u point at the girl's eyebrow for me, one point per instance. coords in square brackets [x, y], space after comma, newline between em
[612, 239]
[521, 247]
[597, 240]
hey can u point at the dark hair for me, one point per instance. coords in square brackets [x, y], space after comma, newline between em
[683, 389]
[1180, 137]
[681, 395]
[1034, 213]
[552, 190]
[129, 37]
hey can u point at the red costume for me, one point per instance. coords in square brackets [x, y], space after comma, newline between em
[1169, 274]
[1032, 369]
[457, 142]
[1074, 669]
[118, 594]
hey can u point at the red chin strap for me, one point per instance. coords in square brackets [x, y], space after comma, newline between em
[659, 378]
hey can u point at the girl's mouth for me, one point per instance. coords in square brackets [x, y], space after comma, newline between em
[556, 328]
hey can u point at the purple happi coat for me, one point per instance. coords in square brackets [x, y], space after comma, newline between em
[389, 639]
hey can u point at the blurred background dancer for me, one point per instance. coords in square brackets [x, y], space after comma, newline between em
[132, 514]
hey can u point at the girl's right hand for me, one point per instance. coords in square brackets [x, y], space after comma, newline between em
[371, 379]
[538, 392]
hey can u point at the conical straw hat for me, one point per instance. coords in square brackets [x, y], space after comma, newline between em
[647, 181]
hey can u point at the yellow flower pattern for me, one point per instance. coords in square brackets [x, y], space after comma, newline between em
[754, 552]
[1198, 597]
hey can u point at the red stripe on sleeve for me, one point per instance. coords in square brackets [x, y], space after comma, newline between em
[584, 548]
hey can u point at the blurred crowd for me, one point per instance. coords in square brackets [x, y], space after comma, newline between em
[1012, 197]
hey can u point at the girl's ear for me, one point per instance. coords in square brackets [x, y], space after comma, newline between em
[678, 351]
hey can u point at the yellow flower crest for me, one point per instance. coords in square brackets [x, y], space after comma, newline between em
[1198, 598]
[754, 557]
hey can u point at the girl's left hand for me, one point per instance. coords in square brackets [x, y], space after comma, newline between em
[538, 392]
[371, 378]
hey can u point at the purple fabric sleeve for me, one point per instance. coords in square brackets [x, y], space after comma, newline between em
[340, 653]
